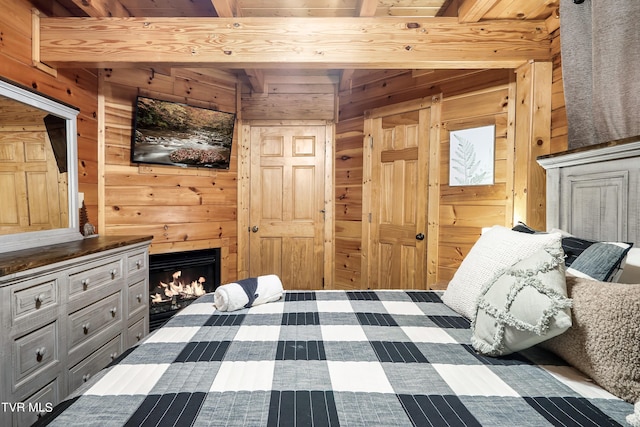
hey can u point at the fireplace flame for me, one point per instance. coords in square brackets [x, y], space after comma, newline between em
[178, 288]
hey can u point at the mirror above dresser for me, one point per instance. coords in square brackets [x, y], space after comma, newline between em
[38, 169]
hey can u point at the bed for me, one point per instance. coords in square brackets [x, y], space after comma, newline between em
[384, 358]
[392, 357]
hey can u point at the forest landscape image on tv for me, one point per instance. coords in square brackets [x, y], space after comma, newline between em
[172, 133]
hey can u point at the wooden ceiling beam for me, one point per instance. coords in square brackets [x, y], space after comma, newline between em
[474, 10]
[256, 80]
[229, 9]
[363, 8]
[366, 7]
[346, 80]
[225, 8]
[319, 43]
[102, 8]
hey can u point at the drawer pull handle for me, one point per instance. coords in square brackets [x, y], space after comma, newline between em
[39, 299]
[113, 356]
[139, 263]
[139, 336]
[139, 297]
[86, 377]
[113, 311]
[85, 283]
[114, 273]
[85, 328]
[40, 352]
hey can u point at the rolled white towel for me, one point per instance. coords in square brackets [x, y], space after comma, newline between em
[230, 297]
[248, 293]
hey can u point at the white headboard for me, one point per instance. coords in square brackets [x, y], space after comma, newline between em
[595, 193]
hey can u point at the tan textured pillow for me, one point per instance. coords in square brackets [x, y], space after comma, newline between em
[604, 341]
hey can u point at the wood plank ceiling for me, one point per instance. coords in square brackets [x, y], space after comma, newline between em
[518, 28]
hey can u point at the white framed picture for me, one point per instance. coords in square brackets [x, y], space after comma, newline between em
[471, 156]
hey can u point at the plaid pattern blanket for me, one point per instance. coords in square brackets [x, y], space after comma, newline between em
[333, 358]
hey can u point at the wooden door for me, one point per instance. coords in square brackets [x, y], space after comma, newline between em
[34, 194]
[286, 208]
[399, 147]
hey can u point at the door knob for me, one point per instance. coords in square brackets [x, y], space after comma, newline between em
[419, 236]
[254, 228]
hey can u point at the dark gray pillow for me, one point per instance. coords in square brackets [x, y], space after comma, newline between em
[524, 228]
[597, 260]
[600, 260]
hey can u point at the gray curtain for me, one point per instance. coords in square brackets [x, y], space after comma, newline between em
[600, 41]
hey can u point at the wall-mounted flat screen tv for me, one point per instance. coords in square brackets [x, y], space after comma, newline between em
[171, 133]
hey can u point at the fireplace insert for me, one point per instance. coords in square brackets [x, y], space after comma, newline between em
[176, 279]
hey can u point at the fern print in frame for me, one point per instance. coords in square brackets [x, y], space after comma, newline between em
[471, 156]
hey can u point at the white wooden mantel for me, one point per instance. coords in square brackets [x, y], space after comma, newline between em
[594, 193]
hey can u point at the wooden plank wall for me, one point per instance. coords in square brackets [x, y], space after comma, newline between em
[465, 210]
[348, 203]
[183, 208]
[77, 87]
[559, 130]
[285, 100]
[480, 95]
[290, 98]
[469, 98]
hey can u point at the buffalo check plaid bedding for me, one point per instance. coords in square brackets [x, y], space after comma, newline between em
[333, 358]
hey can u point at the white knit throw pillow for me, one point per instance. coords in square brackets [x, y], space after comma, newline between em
[496, 250]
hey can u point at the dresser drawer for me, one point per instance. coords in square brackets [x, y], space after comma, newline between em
[135, 333]
[35, 352]
[137, 262]
[89, 321]
[94, 275]
[88, 367]
[38, 404]
[137, 299]
[34, 296]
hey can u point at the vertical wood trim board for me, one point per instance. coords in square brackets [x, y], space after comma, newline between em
[511, 152]
[533, 139]
[329, 206]
[433, 192]
[244, 193]
[367, 142]
[102, 144]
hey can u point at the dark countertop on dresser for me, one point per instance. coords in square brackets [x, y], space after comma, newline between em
[25, 259]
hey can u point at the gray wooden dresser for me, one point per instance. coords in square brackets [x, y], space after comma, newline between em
[67, 311]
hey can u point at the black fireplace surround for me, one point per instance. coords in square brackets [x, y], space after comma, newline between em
[176, 279]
